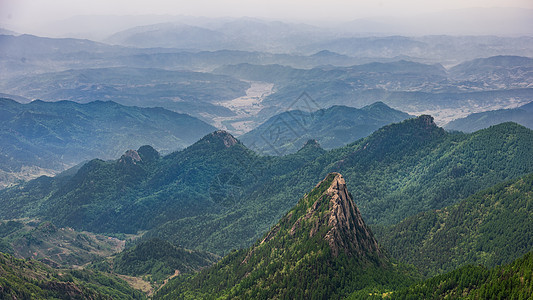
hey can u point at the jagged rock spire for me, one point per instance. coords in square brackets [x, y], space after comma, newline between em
[348, 232]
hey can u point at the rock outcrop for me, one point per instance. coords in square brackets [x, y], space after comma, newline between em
[348, 232]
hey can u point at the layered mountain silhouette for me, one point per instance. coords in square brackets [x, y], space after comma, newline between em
[333, 127]
[321, 247]
[53, 136]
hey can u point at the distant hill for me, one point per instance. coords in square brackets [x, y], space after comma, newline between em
[444, 49]
[522, 115]
[496, 71]
[30, 45]
[30, 279]
[320, 249]
[169, 35]
[492, 227]
[332, 128]
[511, 281]
[51, 136]
[411, 87]
[247, 34]
[193, 93]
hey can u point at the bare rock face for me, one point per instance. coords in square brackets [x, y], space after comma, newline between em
[328, 212]
[227, 138]
[348, 232]
[222, 139]
[130, 156]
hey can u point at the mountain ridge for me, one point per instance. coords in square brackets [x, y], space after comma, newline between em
[333, 127]
[56, 135]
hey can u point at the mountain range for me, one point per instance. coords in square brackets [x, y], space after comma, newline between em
[48, 137]
[182, 91]
[217, 195]
[181, 157]
[412, 87]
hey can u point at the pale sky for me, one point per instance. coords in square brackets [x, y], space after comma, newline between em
[27, 13]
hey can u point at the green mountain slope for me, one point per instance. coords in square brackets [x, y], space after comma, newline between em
[320, 248]
[492, 227]
[522, 115]
[29, 279]
[141, 190]
[332, 128]
[156, 258]
[512, 281]
[57, 247]
[396, 172]
[54, 135]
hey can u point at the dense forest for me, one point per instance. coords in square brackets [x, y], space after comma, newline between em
[492, 227]
[512, 281]
[30, 279]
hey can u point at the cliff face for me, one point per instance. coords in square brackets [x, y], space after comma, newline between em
[348, 232]
[335, 215]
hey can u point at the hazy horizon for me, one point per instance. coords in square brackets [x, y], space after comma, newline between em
[62, 18]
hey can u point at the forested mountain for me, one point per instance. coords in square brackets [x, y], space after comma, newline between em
[492, 227]
[522, 115]
[57, 135]
[320, 248]
[158, 259]
[29, 279]
[217, 195]
[332, 128]
[512, 281]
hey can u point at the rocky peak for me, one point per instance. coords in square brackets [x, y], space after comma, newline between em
[348, 232]
[427, 121]
[329, 213]
[219, 137]
[227, 138]
[130, 156]
[312, 143]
